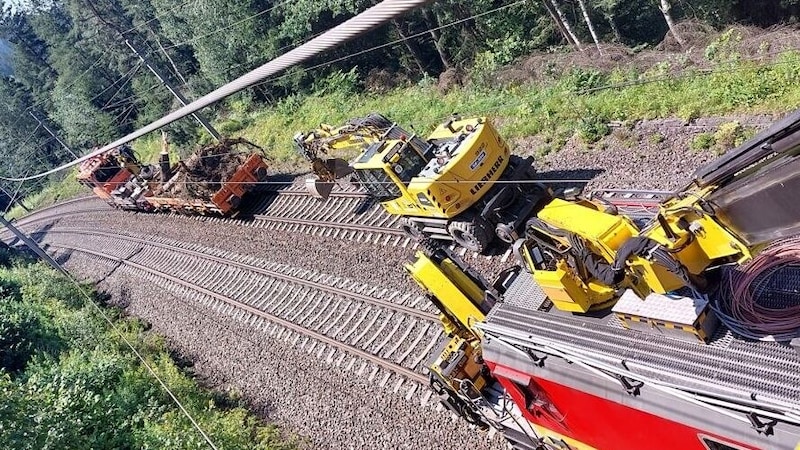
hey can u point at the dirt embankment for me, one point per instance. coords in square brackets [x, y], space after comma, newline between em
[649, 154]
[704, 48]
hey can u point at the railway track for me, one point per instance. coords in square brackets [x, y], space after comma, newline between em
[347, 214]
[80, 205]
[385, 335]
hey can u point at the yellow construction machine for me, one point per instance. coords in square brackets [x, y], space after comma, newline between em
[461, 183]
[463, 297]
[579, 256]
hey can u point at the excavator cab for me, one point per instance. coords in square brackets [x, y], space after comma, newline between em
[387, 168]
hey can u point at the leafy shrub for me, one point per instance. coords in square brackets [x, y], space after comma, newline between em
[578, 80]
[725, 48]
[592, 129]
[484, 68]
[656, 138]
[231, 126]
[23, 334]
[702, 141]
[75, 385]
[730, 135]
[338, 82]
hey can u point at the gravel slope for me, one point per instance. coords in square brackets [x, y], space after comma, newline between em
[324, 406]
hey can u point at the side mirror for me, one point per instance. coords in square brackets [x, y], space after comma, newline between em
[572, 193]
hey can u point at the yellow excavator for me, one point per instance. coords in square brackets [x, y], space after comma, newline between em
[600, 302]
[460, 184]
[463, 297]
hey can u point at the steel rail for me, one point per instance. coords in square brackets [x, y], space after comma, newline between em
[334, 194]
[377, 360]
[414, 312]
[58, 205]
[319, 223]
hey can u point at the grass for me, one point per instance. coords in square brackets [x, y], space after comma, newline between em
[68, 381]
[554, 109]
[578, 104]
[53, 192]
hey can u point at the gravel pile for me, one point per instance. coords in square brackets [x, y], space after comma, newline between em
[326, 407]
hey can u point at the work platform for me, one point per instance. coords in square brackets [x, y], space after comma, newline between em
[733, 386]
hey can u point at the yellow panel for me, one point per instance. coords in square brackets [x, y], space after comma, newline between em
[654, 278]
[607, 231]
[568, 292]
[713, 240]
[556, 437]
[452, 287]
[563, 290]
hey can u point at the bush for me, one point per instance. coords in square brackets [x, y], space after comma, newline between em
[730, 135]
[231, 126]
[702, 141]
[76, 385]
[338, 82]
[24, 333]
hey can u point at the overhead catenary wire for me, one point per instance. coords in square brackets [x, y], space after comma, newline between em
[138, 133]
[164, 14]
[350, 29]
[130, 73]
[401, 40]
[133, 98]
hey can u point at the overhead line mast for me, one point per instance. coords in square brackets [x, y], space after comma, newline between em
[163, 79]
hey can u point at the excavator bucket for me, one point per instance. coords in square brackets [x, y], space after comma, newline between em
[327, 172]
[318, 188]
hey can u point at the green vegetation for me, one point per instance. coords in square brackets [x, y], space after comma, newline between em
[511, 65]
[702, 141]
[727, 136]
[554, 109]
[69, 382]
[50, 194]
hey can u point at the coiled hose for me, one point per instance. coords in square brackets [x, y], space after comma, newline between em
[740, 304]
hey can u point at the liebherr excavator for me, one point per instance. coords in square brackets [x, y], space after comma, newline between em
[614, 333]
[461, 183]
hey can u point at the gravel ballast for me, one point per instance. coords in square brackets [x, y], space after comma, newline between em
[329, 407]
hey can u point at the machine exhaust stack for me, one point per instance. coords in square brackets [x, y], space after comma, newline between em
[166, 169]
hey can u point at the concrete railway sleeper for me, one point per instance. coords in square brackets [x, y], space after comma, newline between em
[298, 293]
[231, 306]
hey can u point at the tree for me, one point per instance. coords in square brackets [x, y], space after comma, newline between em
[589, 24]
[665, 6]
[607, 7]
[561, 20]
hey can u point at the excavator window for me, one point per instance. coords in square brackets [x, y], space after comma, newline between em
[378, 183]
[409, 164]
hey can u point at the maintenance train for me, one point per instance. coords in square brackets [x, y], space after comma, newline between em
[673, 329]
[212, 181]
